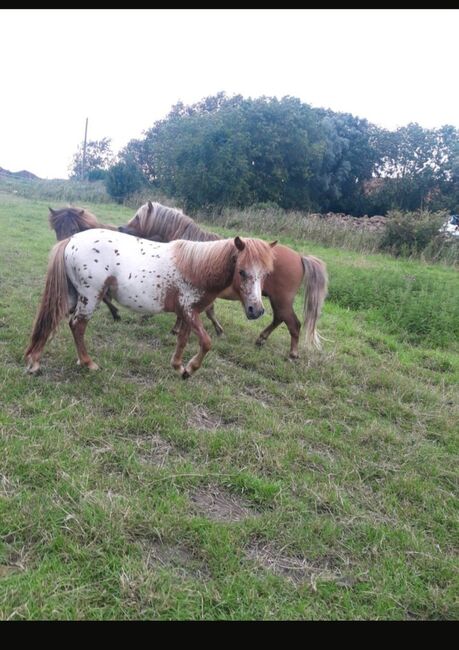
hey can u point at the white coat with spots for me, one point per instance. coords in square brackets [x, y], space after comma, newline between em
[139, 273]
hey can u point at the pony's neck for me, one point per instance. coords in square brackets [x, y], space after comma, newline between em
[207, 265]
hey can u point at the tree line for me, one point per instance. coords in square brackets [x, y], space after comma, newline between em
[234, 151]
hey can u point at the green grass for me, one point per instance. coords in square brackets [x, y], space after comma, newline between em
[258, 489]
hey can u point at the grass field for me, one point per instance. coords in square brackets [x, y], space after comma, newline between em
[260, 488]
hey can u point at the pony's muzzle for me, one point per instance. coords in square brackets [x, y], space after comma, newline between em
[254, 312]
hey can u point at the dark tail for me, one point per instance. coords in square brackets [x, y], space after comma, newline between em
[54, 302]
[315, 292]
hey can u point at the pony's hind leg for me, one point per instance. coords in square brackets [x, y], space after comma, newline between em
[112, 308]
[177, 325]
[294, 327]
[41, 333]
[78, 327]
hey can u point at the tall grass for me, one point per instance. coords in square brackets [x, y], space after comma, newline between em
[422, 240]
[56, 190]
[302, 225]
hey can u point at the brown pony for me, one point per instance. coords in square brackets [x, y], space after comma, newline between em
[182, 276]
[67, 222]
[291, 269]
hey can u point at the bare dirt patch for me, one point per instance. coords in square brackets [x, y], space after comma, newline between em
[178, 558]
[220, 505]
[299, 569]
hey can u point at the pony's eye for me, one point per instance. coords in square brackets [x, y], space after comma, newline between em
[243, 274]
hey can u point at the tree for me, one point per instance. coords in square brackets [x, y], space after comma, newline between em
[349, 160]
[419, 165]
[122, 180]
[99, 157]
[234, 151]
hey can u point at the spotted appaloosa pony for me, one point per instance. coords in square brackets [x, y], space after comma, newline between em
[67, 222]
[291, 269]
[182, 276]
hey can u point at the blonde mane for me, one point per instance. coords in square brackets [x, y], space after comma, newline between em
[213, 263]
[159, 221]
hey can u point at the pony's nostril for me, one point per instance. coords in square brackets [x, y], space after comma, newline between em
[250, 310]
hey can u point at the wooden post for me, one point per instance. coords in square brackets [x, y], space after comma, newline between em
[83, 167]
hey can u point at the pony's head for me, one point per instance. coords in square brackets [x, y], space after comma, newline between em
[68, 221]
[255, 259]
[139, 224]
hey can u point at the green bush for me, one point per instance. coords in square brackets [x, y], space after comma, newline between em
[122, 180]
[410, 233]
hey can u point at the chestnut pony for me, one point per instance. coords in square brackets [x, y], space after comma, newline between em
[291, 269]
[182, 276]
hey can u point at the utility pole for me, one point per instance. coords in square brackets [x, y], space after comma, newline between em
[83, 167]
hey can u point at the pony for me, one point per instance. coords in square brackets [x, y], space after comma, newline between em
[291, 269]
[67, 222]
[182, 276]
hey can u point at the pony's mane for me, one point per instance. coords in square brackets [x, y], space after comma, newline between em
[212, 263]
[257, 252]
[68, 221]
[168, 224]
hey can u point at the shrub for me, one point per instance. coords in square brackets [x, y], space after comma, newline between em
[122, 180]
[409, 233]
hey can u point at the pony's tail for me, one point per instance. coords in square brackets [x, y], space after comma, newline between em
[54, 303]
[315, 292]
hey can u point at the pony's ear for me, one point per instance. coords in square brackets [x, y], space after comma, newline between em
[239, 243]
[52, 211]
[150, 208]
[273, 243]
[81, 212]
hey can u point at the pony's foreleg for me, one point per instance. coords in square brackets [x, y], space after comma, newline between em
[205, 344]
[277, 320]
[210, 313]
[182, 339]
[261, 340]
[78, 327]
[283, 315]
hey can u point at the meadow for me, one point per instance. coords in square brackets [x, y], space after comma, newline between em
[261, 488]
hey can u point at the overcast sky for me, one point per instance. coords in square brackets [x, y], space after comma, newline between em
[124, 69]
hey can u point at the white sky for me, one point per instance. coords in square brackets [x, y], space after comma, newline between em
[124, 69]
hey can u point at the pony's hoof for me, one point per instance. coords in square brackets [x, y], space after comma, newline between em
[116, 317]
[219, 332]
[185, 374]
[293, 356]
[33, 369]
[90, 366]
[260, 342]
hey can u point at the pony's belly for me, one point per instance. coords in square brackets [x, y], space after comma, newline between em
[148, 300]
